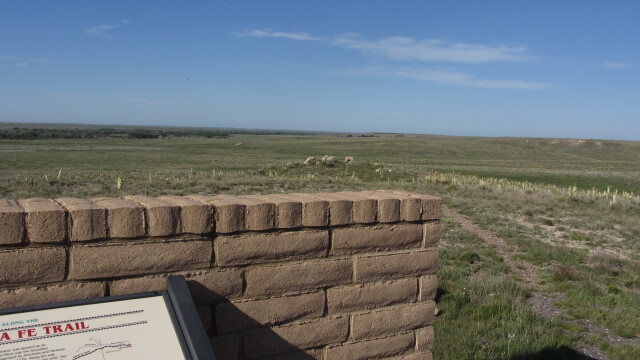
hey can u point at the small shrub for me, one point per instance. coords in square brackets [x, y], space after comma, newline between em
[563, 273]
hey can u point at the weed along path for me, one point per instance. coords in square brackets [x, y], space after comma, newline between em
[544, 303]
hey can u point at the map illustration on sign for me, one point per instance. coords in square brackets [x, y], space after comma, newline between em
[97, 349]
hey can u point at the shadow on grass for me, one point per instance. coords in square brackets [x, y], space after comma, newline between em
[555, 353]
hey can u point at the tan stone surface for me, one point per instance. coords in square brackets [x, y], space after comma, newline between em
[371, 295]
[206, 286]
[162, 217]
[416, 356]
[315, 212]
[247, 314]
[38, 295]
[195, 217]
[352, 240]
[46, 221]
[125, 219]
[261, 248]
[293, 337]
[392, 320]
[229, 214]
[428, 287]
[432, 234]
[277, 279]
[365, 210]
[288, 210]
[86, 220]
[396, 265]
[424, 338]
[372, 349]
[410, 207]
[33, 265]
[137, 258]
[11, 222]
[340, 209]
[388, 206]
[316, 354]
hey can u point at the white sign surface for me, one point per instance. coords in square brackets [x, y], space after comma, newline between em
[138, 328]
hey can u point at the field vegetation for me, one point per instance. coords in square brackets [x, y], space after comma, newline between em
[540, 255]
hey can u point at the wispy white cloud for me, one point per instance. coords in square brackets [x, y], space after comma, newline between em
[279, 34]
[22, 61]
[405, 48]
[456, 78]
[615, 65]
[103, 30]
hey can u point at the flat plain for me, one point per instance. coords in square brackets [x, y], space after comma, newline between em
[540, 252]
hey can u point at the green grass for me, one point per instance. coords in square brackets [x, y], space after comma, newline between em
[570, 208]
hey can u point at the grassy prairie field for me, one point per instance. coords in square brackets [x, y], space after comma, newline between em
[567, 213]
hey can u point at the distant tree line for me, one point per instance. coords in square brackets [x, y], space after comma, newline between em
[123, 133]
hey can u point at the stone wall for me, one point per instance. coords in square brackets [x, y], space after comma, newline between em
[290, 276]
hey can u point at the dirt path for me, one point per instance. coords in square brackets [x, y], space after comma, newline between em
[529, 277]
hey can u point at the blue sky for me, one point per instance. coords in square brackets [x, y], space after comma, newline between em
[485, 68]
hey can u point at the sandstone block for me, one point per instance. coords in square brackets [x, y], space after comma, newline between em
[206, 287]
[396, 265]
[379, 348]
[86, 220]
[39, 295]
[432, 233]
[121, 259]
[259, 214]
[364, 211]
[371, 295]
[195, 217]
[392, 320]
[247, 314]
[277, 279]
[33, 265]
[315, 212]
[293, 337]
[424, 338]
[410, 207]
[161, 217]
[226, 347]
[46, 221]
[428, 287]
[125, 219]
[426, 355]
[288, 211]
[229, 214]
[388, 206]
[340, 209]
[376, 238]
[260, 248]
[11, 222]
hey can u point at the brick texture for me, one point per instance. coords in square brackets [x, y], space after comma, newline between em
[260, 248]
[86, 220]
[372, 295]
[121, 259]
[291, 337]
[229, 215]
[396, 265]
[246, 314]
[125, 219]
[428, 287]
[376, 238]
[11, 222]
[424, 338]
[206, 287]
[373, 348]
[46, 221]
[288, 211]
[226, 347]
[161, 217]
[392, 320]
[195, 217]
[50, 294]
[276, 279]
[33, 265]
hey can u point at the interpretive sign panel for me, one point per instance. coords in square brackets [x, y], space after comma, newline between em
[141, 326]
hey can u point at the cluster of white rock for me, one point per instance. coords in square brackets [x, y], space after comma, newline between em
[327, 159]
